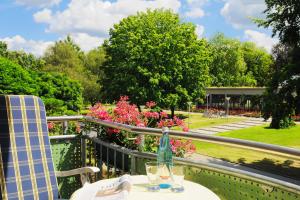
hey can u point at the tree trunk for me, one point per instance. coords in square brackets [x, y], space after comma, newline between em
[172, 112]
[139, 108]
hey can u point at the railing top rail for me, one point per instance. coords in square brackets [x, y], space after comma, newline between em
[246, 144]
[276, 181]
[66, 118]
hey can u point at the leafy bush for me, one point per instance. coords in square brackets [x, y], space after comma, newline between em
[127, 113]
[60, 94]
[14, 79]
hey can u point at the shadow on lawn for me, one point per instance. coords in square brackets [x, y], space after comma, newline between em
[285, 169]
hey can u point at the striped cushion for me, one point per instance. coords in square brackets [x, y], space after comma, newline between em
[26, 166]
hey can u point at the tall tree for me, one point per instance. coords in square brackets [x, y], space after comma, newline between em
[153, 55]
[228, 67]
[26, 60]
[66, 57]
[95, 59]
[258, 62]
[284, 18]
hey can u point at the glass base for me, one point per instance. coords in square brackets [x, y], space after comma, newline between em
[164, 185]
[153, 188]
[177, 189]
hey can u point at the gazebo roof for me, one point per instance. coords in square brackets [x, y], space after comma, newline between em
[235, 90]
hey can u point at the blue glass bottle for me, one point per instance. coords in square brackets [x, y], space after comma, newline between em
[165, 159]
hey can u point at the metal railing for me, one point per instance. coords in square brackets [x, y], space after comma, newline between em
[133, 154]
[245, 144]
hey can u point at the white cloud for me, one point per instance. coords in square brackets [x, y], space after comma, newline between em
[38, 3]
[261, 39]
[239, 12]
[95, 17]
[43, 16]
[19, 43]
[199, 30]
[195, 13]
[197, 2]
[87, 42]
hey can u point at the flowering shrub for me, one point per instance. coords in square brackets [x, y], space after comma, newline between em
[127, 113]
[181, 147]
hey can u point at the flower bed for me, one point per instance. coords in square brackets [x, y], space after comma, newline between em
[153, 117]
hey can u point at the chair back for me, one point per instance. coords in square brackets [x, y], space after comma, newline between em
[26, 166]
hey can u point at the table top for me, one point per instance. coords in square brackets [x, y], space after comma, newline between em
[139, 191]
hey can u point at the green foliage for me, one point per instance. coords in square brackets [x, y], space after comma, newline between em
[258, 62]
[66, 57]
[94, 60]
[3, 49]
[14, 79]
[237, 64]
[281, 99]
[284, 89]
[155, 56]
[60, 94]
[28, 61]
[283, 17]
[63, 55]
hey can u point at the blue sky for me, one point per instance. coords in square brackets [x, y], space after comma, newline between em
[33, 25]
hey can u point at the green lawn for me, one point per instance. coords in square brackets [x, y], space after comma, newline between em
[198, 121]
[287, 137]
[284, 137]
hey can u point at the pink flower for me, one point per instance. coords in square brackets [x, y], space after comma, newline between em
[50, 125]
[78, 129]
[177, 143]
[185, 129]
[141, 125]
[149, 114]
[178, 121]
[150, 104]
[138, 140]
[127, 113]
[163, 114]
[113, 131]
[124, 98]
[192, 148]
[174, 149]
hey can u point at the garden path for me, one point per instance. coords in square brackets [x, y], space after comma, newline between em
[248, 122]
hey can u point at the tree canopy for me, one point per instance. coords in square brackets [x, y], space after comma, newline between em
[155, 56]
[60, 94]
[66, 57]
[258, 63]
[228, 67]
[26, 60]
[237, 63]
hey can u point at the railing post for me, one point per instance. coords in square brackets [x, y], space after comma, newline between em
[133, 164]
[142, 142]
[65, 127]
[83, 151]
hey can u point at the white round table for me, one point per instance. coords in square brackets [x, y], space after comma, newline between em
[139, 191]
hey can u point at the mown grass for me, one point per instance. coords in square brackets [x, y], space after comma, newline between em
[198, 121]
[284, 137]
[264, 161]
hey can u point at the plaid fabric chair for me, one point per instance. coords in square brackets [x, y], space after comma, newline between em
[26, 166]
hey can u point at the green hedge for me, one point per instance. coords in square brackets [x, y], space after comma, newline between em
[60, 94]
